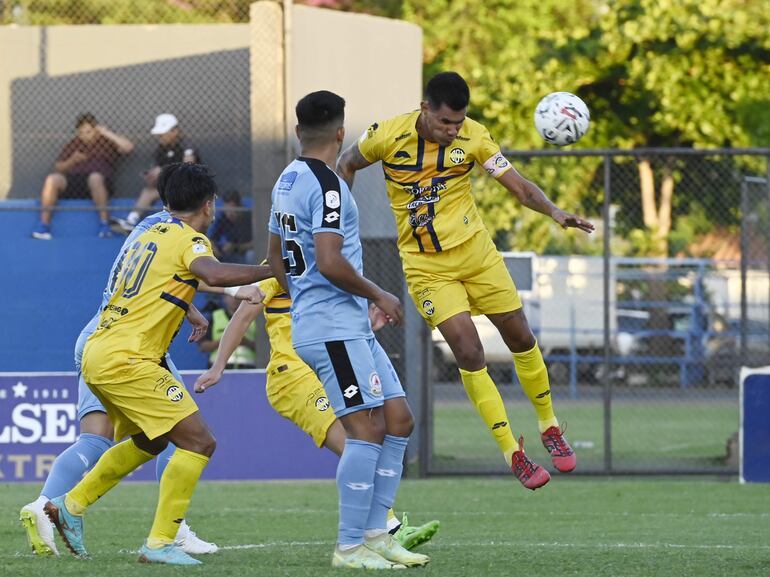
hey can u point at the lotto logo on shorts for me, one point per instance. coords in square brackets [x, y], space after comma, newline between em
[322, 403]
[427, 306]
[350, 392]
[174, 393]
[375, 384]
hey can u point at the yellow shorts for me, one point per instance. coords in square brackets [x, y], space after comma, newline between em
[147, 399]
[299, 396]
[469, 277]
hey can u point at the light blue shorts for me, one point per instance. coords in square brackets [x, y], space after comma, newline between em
[356, 375]
[87, 401]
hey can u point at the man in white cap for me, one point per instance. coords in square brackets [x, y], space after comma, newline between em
[171, 148]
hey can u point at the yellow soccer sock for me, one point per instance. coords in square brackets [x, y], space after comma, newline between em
[486, 398]
[112, 466]
[533, 376]
[176, 488]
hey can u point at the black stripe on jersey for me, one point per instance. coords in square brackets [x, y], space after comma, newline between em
[278, 310]
[346, 376]
[330, 183]
[175, 301]
[190, 282]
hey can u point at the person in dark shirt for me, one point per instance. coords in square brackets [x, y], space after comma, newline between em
[171, 148]
[230, 235]
[83, 169]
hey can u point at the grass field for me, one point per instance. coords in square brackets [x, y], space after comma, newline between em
[648, 433]
[589, 527]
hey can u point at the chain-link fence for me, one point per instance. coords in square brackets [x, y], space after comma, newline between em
[641, 328]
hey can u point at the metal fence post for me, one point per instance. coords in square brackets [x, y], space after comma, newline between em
[607, 377]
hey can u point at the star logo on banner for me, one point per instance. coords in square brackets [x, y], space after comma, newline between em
[3, 393]
[19, 390]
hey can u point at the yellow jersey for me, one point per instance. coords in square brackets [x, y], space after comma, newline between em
[429, 185]
[153, 290]
[277, 307]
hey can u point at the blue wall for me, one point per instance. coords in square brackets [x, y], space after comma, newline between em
[50, 289]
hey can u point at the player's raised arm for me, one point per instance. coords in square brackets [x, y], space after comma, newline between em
[533, 197]
[335, 267]
[223, 274]
[228, 342]
[349, 162]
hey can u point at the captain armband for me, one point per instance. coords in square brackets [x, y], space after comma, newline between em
[497, 165]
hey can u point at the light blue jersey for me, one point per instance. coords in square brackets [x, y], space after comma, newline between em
[310, 198]
[87, 401]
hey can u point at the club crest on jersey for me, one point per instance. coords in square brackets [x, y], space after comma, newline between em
[457, 155]
[427, 306]
[332, 198]
[375, 384]
[322, 404]
[174, 393]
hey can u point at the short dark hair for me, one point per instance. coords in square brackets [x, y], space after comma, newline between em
[85, 118]
[231, 196]
[185, 186]
[319, 111]
[448, 88]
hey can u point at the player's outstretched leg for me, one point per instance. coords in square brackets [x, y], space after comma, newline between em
[68, 468]
[533, 376]
[410, 537]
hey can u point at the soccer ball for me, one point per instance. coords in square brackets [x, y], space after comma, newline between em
[561, 118]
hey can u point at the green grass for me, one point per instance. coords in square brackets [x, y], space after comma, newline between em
[646, 434]
[588, 527]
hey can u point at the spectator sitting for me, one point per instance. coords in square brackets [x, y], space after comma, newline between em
[230, 235]
[244, 356]
[171, 148]
[84, 168]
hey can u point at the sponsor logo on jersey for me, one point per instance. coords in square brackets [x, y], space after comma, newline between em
[372, 129]
[174, 393]
[322, 404]
[332, 217]
[375, 384]
[422, 201]
[433, 189]
[427, 306]
[287, 180]
[350, 392]
[402, 136]
[199, 248]
[420, 220]
[457, 155]
[332, 199]
[464, 138]
[116, 309]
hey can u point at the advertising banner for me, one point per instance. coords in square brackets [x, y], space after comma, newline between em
[38, 421]
[755, 425]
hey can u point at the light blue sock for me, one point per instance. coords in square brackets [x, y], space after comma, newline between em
[70, 466]
[162, 460]
[386, 480]
[355, 484]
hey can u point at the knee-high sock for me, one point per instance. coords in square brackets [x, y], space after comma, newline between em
[70, 466]
[486, 398]
[355, 485]
[162, 461]
[387, 478]
[533, 376]
[115, 464]
[176, 489]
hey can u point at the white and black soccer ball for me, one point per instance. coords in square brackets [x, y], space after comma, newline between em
[562, 118]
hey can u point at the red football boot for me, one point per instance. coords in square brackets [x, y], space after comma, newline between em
[562, 455]
[531, 475]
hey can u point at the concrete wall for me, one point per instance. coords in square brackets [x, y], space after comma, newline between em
[125, 75]
[376, 65]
